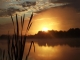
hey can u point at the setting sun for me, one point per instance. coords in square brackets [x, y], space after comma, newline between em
[45, 29]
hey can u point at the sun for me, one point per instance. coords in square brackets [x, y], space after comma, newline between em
[45, 29]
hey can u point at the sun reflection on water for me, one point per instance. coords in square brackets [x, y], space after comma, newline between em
[46, 52]
[49, 52]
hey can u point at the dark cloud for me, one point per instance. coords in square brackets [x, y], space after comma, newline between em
[28, 4]
[12, 9]
[16, 8]
[8, 12]
[66, 1]
[71, 3]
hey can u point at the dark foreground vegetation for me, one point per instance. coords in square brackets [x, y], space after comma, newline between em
[16, 44]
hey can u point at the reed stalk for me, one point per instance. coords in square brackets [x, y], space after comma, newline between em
[16, 45]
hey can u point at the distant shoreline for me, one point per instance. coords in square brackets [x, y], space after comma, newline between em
[72, 42]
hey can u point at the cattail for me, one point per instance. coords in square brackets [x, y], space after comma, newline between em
[16, 46]
[23, 19]
[29, 27]
[30, 20]
[13, 23]
[3, 54]
[17, 25]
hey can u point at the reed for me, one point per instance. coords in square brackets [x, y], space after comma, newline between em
[16, 45]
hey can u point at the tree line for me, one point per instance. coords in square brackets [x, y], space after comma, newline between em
[71, 33]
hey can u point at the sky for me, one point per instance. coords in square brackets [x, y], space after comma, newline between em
[51, 14]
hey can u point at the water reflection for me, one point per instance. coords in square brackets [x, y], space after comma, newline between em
[58, 52]
[47, 50]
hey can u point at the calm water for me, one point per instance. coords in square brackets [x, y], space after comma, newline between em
[51, 49]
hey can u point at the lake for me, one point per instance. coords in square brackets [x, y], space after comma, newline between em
[51, 49]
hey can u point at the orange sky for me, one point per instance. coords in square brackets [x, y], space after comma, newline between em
[54, 18]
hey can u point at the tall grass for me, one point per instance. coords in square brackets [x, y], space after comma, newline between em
[16, 44]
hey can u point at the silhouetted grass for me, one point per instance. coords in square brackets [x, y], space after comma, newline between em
[16, 45]
[3, 54]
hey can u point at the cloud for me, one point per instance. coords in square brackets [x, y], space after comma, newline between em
[28, 4]
[66, 1]
[8, 12]
[25, 6]
[10, 8]
[72, 3]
